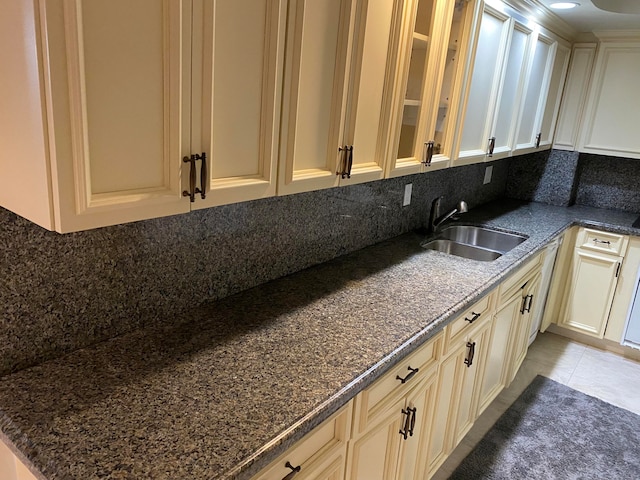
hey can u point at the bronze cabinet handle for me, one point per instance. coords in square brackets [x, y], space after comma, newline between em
[294, 471]
[191, 193]
[538, 138]
[472, 352]
[203, 175]
[473, 318]
[428, 153]
[492, 145]
[409, 376]
[409, 422]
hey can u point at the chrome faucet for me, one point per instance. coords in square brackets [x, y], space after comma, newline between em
[435, 219]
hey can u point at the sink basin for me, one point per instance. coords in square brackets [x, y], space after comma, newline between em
[482, 237]
[476, 243]
[462, 250]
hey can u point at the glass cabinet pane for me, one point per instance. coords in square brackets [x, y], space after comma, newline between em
[454, 51]
[421, 42]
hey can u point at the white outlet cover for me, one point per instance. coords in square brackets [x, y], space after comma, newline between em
[407, 194]
[487, 174]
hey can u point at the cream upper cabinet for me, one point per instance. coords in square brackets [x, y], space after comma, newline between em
[434, 45]
[554, 96]
[611, 117]
[594, 271]
[534, 97]
[236, 96]
[494, 94]
[336, 93]
[574, 96]
[112, 120]
[119, 93]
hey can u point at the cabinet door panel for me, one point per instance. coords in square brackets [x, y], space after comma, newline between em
[592, 287]
[556, 84]
[375, 454]
[471, 376]
[574, 96]
[611, 117]
[483, 91]
[496, 364]
[123, 96]
[539, 75]
[314, 94]
[444, 412]
[238, 101]
[507, 108]
[368, 114]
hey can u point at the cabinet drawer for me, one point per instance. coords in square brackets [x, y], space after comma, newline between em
[603, 242]
[388, 388]
[319, 445]
[478, 314]
[516, 281]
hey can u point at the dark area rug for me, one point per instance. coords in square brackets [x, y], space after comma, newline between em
[554, 432]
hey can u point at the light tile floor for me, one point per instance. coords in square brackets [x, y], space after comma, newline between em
[598, 373]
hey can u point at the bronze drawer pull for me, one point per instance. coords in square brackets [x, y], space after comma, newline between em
[293, 473]
[409, 375]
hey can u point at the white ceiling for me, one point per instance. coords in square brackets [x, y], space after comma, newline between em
[588, 18]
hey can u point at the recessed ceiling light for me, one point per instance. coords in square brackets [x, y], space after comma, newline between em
[564, 5]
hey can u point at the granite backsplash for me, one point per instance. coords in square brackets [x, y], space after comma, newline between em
[565, 178]
[63, 292]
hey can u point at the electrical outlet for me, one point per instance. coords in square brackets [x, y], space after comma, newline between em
[407, 194]
[487, 174]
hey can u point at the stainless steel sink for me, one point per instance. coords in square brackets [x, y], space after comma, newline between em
[462, 250]
[476, 243]
[482, 237]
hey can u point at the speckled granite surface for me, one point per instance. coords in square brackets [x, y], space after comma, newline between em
[228, 389]
[63, 292]
[548, 177]
[609, 182]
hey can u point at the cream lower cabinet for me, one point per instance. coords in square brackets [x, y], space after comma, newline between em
[593, 276]
[392, 418]
[466, 342]
[320, 455]
[11, 467]
[508, 342]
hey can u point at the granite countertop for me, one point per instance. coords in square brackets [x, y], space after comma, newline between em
[222, 393]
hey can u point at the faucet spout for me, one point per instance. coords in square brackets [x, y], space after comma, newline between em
[435, 219]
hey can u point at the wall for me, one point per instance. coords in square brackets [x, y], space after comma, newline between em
[565, 178]
[63, 292]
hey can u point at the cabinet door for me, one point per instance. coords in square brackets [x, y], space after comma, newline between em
[574, 96]
[522, 325]
[494, 375]
[119, 75]
[444, 411]
[539, 71]
[506, 115]
[593, 283]
[315, 91]
[434, 47]
[371, 74]
[475, 350]
[483, 91]
[611, 115]
[236, 97]
[375, 454]
[554, 95]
